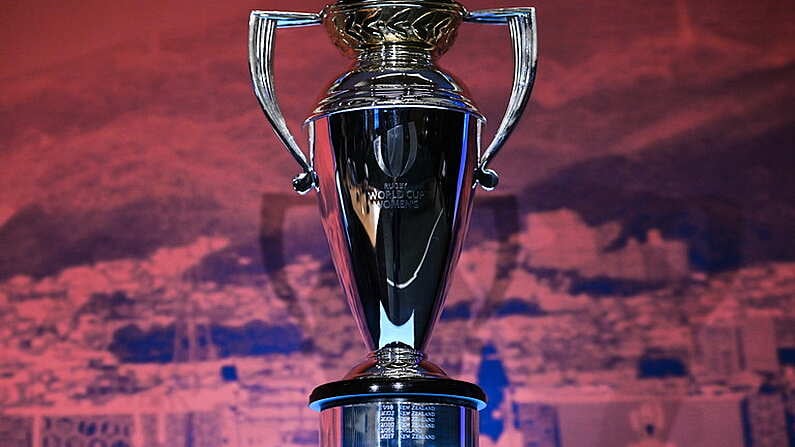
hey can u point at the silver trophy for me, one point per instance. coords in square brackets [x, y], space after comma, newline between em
[395, 155]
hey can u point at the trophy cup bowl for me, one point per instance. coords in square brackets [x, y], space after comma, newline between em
[395, 157]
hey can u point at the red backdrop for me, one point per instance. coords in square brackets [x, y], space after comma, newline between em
[631, 282]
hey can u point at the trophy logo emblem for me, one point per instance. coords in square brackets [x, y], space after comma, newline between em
[396, 152]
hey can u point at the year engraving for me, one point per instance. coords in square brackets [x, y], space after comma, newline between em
[386, 422]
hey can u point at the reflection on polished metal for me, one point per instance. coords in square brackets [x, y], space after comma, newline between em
[395, 155]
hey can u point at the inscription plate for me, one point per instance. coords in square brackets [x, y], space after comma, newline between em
[400, 424]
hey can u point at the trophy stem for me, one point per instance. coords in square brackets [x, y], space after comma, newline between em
[398, 361]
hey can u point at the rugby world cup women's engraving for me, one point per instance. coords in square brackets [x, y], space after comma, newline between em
[395, 158]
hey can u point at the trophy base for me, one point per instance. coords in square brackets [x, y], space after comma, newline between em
[398, 412]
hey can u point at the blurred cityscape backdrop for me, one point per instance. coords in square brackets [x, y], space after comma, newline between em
[630, 284]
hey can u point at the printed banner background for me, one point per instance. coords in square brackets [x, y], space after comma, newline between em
[630, 284]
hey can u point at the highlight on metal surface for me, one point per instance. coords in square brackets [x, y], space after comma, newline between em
[262, 28]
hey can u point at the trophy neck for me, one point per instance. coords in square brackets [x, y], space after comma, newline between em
[396, 360]
[394, 56]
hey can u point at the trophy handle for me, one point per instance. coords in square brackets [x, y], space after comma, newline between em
[261, 37]
[522, 23]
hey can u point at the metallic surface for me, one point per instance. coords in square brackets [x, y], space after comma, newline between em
[359, 27]
[395, 361]
[262, 27]
[395, 157]
[363, 89]
[522, 23]
[395, 43]
[372, 387]
[391, 423]
[395, 198]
